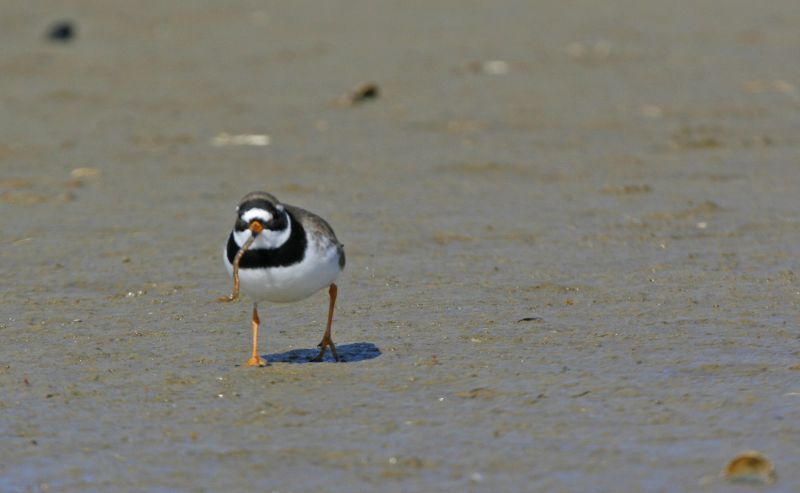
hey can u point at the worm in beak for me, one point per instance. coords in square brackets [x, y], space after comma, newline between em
[255, 228]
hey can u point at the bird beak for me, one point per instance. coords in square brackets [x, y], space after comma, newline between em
[255, 227]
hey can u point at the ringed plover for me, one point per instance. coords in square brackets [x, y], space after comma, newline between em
[281, 253]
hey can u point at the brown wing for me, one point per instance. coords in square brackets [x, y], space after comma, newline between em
[317, 228]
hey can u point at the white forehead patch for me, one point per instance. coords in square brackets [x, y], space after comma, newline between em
[256, 213]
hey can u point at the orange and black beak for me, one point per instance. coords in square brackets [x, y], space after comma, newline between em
[256, 227]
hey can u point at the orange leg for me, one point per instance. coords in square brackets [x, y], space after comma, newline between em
[255, 360]
[326, 339]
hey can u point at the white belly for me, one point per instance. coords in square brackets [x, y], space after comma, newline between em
[318, 269]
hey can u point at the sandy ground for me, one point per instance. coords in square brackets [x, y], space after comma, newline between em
[625, 178]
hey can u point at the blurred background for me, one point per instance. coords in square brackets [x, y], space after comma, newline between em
[572, 235]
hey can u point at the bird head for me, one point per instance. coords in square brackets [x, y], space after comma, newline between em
[262, 216]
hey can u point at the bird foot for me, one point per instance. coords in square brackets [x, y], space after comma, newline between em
[256, 361]
[323, 346]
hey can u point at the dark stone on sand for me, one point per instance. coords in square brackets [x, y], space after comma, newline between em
[62, 31]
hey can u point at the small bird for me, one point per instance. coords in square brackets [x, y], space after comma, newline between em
[281, 253]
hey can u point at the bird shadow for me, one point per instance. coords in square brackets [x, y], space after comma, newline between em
[348, 353]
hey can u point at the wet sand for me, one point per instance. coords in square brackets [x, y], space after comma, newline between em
[571, 269]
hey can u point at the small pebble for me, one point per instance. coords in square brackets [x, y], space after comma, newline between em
[84, 173]
[495, 67]
[475, 477]
[360, 94]
[750, 467]
[225, 139]
[61, 31]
